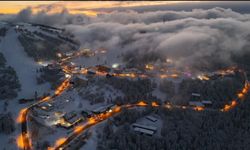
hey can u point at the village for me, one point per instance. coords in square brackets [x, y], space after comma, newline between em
[67, 111]
[97, 97]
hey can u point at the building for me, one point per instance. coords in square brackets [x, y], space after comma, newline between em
[196, 94]
[86, 113]
[195, 97]
[79, 80]
[151, 118]
[103, 109]
[91, 72]
[70, 119]
[102, 68]
[46, 106]
[144, 129]
[116, 71]
[206, 102]
[69, 54]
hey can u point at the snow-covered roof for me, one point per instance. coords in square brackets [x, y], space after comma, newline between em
[151, 118]
[206, 102]
[100, 109]
[103, 108]
[144, 131]
[152, 128]
[196, 94]
[82, 77]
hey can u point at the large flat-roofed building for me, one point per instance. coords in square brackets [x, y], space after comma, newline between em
[103, 109]
[144, 129]
[152, 128]
[196, 94]
[71, 119]
[206, 102]
[98, 110]
[46, 106]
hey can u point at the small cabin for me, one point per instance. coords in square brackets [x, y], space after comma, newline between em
[206, 102]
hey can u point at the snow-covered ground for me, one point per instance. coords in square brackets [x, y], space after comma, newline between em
[91, 143]
[24, 66]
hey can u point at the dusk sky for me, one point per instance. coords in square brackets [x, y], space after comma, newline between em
[14, 7]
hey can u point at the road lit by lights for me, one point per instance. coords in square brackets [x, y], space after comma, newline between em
[154, 104]
[141, 103]
[20, 143]
[149, 67]
[228, 107]
[60, 141]
[198, 108]
[65, 84]
[203, 77]
[22, 115]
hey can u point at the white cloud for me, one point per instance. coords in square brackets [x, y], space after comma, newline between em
[191, 38]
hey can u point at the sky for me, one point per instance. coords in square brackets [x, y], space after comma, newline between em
[13, 7]
[92, 8]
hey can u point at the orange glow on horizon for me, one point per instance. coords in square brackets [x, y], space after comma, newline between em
[87, 8]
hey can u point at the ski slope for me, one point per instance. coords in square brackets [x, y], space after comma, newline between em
[24, 66]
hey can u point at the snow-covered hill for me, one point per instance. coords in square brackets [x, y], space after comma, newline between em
[17, 57]
[24, 66]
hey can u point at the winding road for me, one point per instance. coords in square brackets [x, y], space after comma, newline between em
[24, 140]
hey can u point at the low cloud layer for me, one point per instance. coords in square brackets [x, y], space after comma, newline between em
[47, 15]
[197, 38]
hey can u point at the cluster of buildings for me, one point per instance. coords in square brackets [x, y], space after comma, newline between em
[47, 113]
[197, 102]
[71, 119]
[146, 129]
